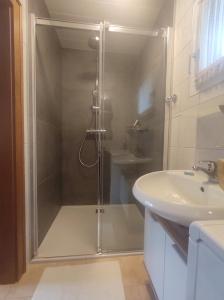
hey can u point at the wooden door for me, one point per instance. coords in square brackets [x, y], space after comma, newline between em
[12, 211]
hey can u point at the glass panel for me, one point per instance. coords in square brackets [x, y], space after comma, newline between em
[133, 112]
[67, 169]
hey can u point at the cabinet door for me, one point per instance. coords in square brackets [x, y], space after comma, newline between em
[209, 274]
[175, 276]
[154, 252]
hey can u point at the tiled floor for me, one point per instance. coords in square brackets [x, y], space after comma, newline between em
[122, 230]
[135, 279]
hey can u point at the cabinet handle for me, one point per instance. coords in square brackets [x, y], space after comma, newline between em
[179, 252]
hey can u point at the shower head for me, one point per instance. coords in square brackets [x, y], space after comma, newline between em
[94, 42]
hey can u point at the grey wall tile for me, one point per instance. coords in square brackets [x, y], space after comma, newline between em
[79, 76]
[49, 201]
[49, 152]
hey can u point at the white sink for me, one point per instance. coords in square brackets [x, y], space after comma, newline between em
[180, 196]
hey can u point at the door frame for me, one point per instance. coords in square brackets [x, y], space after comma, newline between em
[12, 190]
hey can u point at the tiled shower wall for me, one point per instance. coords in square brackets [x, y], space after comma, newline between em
[48, 104]
[197, 122]
[78, 81]
[152, 69]
[78, 78]
[119, 93]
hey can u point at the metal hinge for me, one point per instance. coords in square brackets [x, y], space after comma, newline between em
[171, 99]
[100, 210]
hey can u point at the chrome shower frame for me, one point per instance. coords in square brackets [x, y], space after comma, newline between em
[102, 28]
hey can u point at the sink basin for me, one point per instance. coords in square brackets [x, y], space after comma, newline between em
[180, 196]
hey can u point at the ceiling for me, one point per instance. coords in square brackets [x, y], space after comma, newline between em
[115, 42]
[132, 13]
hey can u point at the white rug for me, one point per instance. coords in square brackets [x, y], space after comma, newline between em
[96, 281]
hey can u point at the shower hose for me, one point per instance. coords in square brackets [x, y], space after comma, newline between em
[84, 141]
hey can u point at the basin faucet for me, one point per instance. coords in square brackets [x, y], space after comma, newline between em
[136, 124]
[207, 166]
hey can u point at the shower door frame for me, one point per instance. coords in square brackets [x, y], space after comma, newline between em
[34, 210]
[101, 27]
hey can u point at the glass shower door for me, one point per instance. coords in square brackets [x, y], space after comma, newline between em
[98, 126]
[66, 60]
[133, 115]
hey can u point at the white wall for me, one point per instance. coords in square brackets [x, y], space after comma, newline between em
[197, 124]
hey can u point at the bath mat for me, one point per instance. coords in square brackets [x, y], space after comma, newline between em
[96, 281]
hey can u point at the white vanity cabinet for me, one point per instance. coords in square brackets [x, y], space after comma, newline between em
[165, 263]
[175, 273]
[206, 261]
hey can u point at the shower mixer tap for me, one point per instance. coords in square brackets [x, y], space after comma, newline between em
[93, 44]
[94, 131]
[95, 108]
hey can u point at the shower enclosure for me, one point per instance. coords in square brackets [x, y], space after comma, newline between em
[98, 124]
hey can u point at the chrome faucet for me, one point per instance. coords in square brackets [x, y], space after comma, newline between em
[207, 166]
[136, 124]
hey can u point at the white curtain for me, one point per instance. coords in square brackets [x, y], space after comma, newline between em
[209, 40]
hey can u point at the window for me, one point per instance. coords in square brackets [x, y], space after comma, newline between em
[145, 97]
[209, 42]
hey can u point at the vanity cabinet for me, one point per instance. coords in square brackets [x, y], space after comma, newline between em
[175, 272]
[206, 261]
[164, 261]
